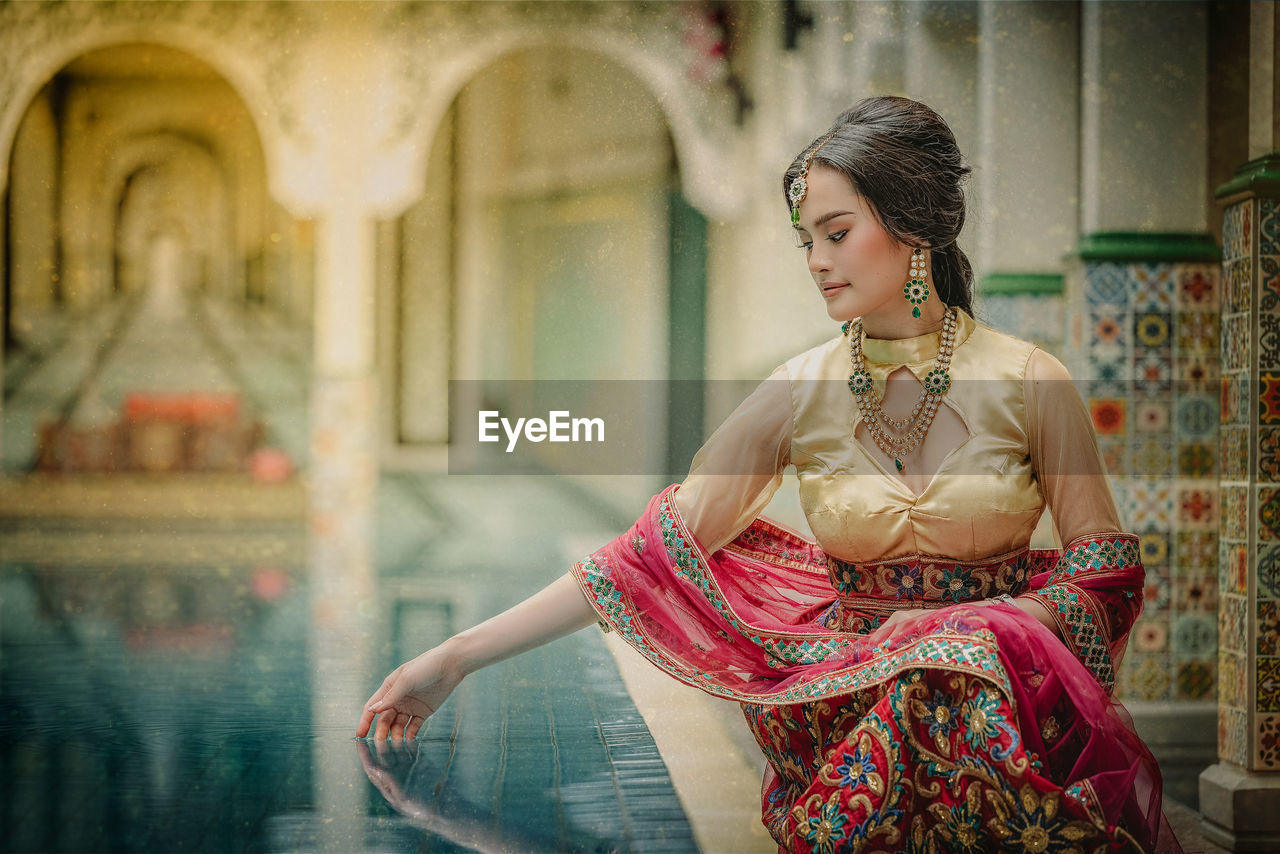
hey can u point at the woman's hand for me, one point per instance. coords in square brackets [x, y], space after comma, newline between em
[412, 693]
[898, 625]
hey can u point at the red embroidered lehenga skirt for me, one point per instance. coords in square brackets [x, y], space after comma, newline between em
[975, 730]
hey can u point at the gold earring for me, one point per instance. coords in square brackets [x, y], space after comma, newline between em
[917, 290]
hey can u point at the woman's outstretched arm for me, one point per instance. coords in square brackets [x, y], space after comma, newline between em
[417, 688]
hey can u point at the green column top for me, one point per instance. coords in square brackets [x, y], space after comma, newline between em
[1259, 177]
[1148, 246]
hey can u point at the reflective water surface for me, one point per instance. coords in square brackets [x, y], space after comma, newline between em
[170, 709]
[170, 679]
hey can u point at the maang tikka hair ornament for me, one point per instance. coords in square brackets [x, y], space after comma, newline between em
[800, 183]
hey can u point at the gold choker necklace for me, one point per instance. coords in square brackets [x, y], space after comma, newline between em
[899, 437]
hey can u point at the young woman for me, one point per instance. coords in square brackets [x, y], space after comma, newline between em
[919, 678]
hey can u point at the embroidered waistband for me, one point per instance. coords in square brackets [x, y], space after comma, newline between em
[924, 580]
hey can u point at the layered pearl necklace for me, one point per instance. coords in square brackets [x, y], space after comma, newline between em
[899, 437]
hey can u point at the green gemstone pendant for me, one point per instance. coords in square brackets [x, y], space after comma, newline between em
[915, 312]
[897, 462]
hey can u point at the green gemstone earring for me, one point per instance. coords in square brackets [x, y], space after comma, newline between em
[917, 290]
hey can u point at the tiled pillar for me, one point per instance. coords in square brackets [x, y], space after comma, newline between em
[1141, 299]
[1239, 795]
[1249, 563]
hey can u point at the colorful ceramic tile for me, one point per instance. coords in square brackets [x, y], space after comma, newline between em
[1108, 326]
[1107, 364]
[1231, 397]
[1153, 370]
[1235, 512]
[1232, 623]
[1268, 753]
[1268, 227]
[1156, 590]
[1198, 288]
[1268, 685]
[1195, 593]
[1153, 548]
[1231, 677]
[1150, 635]
[1198, 507]
[1152, 503]
[1151, 415]
[1233, 742]
[1197, 459]
[1237, 569]
[1238, 278]
[1112, 449]
[1195, 680]
[1236, 237]
[1269, 570]
[1037, 318]
[1145, 676]
[1152, 287]
[1151, 329]
[1245, 413]
[1108, 415]
[1269, 340]
[1246, 226]
[1269, 258]
[1269, 454]
[1235, 342]
[1196, 550]
[1269, 287]
[1269, 398]
[1268, 611]
[1197, 373]
[1197, 332]
[1107, 283]
[1269, 513]
[1195, 635]
[1234, 444]
[1152, 457]
[1197, 416]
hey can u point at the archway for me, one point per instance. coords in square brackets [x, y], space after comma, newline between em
[544, 251]
[124, 149]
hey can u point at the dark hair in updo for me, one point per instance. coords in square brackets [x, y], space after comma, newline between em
[902, 158]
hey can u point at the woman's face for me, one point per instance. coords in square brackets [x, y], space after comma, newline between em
[859, 269]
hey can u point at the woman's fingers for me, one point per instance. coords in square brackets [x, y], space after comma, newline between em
[385, 720]
[415, 724]
[362, 726]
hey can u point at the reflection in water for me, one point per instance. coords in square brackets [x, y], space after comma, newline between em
[160, 689]
[413, 790]
[182, 660]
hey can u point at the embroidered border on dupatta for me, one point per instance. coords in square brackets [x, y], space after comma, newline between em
[1083, 621]
[972, 652]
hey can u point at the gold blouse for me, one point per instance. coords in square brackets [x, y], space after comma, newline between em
[1030, 444]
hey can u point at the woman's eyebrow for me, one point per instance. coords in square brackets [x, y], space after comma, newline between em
[827, 217]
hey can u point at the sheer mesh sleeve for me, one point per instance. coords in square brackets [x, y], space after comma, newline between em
[738, 470]
[1094, 592]
[1064, 452]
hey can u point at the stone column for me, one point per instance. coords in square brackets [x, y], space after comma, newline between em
[340, 176]
[1026, 164]
[1238, 796]
[1141, 301]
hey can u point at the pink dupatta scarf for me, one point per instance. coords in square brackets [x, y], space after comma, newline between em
[760, 622]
